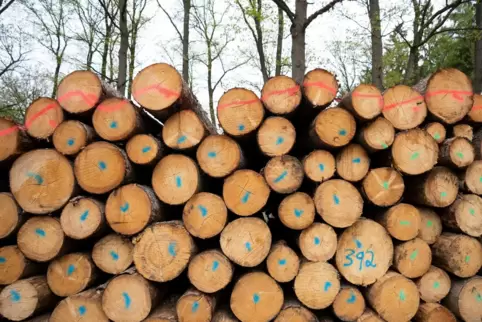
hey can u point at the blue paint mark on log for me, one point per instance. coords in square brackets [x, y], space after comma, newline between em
[203, 210]
[317, 240]
[298, 212]
[248, 246]
[82, 310]
[172, 249]
[256, 298]
[358, 243]
[327, 286]
[401, 295]
[181, 139]
[282, 262]
[215, 266]
[356, 160]
[212, 154]
[194, 307]
[70, 269]
[70, 142]
[281, 176]
[114, 255]
[336, 200]
[124, 207]
[279, 140]
[246, 197]
[40, 232]
[321, 166]
[352, 298]
[146, 149]
[241, 127]
[84, 215]
[178, 181]
[113, 125]
[342, 132]
[3, 260]
[127, 300]
[14, 296]
[102, 165]
[36, 176]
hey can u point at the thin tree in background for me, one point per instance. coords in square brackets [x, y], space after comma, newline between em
[123, 47]
[4, 5]
[376, 42]
[12, 51]
[136, 22]
[279, 42]
[478, 49]
[110, 11]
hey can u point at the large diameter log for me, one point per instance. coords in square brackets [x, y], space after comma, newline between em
[319, 87]
[42, 181]
[475, 113]
[282, 262]
[319, 165]
[129, 297]
[240, 112]
[163, 250]
[42, 117]
[41, 239]
[176, 179]
[101, 167]
[349, 304]
[318, 242]
[471, 178]
[430, 225]
[183, 130]
[434, 285]
[449, 95]
[284, 174]
[25, 298]
[219, 155]
[79, 91]
[412, 258]
[72, 136]
[71, 274]
[338, 202]
[13, 140]
[113, 254]
[83, 306]
[194, 305]
[383, 186]
[463, 131]
[276, 136]
[352, 163]
[456, 152]
[364, 252]
[414, 152]
[437, 188]
[401, 221]
[256, 297]
[465, 297]
[297, 211]
[210, 271]
[246, 241]
[144, 149]
[326, 279]
[377, 135]
[281, 95]
[365, 102]
[294, 311]
[394, 297]
[82, 218]
[245, 192]
[11, 215]
[332, 128]
[437, 131]
[205, 215]
[404, 107]
[433, 312]
[14, 265]
[464, 215]
[460, 255]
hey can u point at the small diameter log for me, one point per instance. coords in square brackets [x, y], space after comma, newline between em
[349, 304]
[364, 252]
[210, 271]
[284, 174]
[276, 136]
[163, 250]
[219, 155]
[352, 163]
[13, 140]
[41, 238]
[464, 215]
[383, 186]
[82, 218]
[370, 316]
[131, 208]
[42, 117]
[338, 202]
[319, 165]
[240, 112]
[165, 312]
[205, 215]
[246, 241]
[464, 298]
[394, 297]
[297, 211]
[176, 179]
[430, 225]
[319, 87]
[414, 152]
[318, 242]
[437, 188]
[11, 215]
[256, 297]
[412, 258]
[365, 102]
[83, 306]
[113, 254]
[460, 255]
[144, 149]
[194, 305]
[71, 274]
[377, 135]
[42, 181]
[293, 311]
[326, 279]
[332, 128]
[282, 262]
[25, 298]
[281, 95]
[72, 136]
[434, 285]
[475, 113]
[404, 107]
[245, 192]
[14, 265]
[449, 95]
[183, 130]
[463, 131]
[101, 167]
[79, 91]
[433, 312]
[401, 221]
[129, 297]
[456, 153]
[437, 131]
[471, 178]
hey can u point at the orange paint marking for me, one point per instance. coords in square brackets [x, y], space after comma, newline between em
[476, 107]
[415, 99]
[455, 94]
[363, 95]
[158, 87]
[9, 130]
[90, 99]
[320, 85]
[47, 108]
[290, 91]
[237, 103]
[114, 107]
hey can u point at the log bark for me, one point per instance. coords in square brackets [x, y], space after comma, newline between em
[297, 211]
[210, 271]
[83, 218]
[205, 215]
[113, 254]
[276, 136]
[70, 137]
[165, 312]
[433, 312]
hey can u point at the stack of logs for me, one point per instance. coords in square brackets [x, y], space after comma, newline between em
[367, 209]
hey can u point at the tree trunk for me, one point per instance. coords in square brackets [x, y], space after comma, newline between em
[411, 66]
[185, 41]
[210, 84]
[377, 47]
[259, 42]
[105, 50]
[298, 35]
[478, 50]
[279, 43]
[132, 61]
[124, 44]
[56, 76]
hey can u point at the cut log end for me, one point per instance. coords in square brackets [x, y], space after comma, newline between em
[113, 254]
[10, 139]
[464, 298]
[456, 153]
[72, 136]
[412, 258]
[438, 188]
[245, 192]
[349, 304]
[430, 225]
[42, 117]
[383, 186]
[318, 242]
[276, 136]
[402, 221]
[219, 155]
[84, 306]
[284, 174]
[475, 113]
[165, 312]
[437, 131]
[377, 135]
[205, 215]
[434, 285]
[352, 163]
[465, 215]
[10, 215]
[365, 101]
[472, 180]
[333, 127]
[210, 271]
[281, 95]
[195, 306]
[82, 218]
[320, 87]
[370, 316]
[319, 165]
[246, 241]
[282, 262]
[42, 181]
[183, 130]
[116, 119]
[404, 107]
[13, 264]
[240, 112]
[295, 312]
[256, 296]
[144, 149]
[79, 91]
[433, 312]
[297, 211]
[463, 131]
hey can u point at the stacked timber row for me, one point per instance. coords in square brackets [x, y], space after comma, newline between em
[303, 210]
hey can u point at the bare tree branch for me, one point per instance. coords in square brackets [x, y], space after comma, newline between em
[3, 7]
[170, 19]
[282, 4]
[321, 11]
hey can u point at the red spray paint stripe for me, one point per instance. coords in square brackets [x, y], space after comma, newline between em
[290, 91]
[320, 85]
[237, 103]
[455, 94]
[476, 107]
[90, 99]
[112, 108]
[363, 95]
[47, 108]
[9, 130]
[388, 107]
[158, 87]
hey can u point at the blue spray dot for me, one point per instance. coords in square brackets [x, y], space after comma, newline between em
[342, 132]
[2, 260]
[70, 142]
[70, 269]
[336, 200]
[40, 232]
[241, 127]
[124, 207]
[246, 197]
[352, 298]
[256, 298]
[279, 140]
[194, 307]
[172, 249]
[127, 300]
[14, 296]
[114, 255]
[282, 262]
[356, 160]
[36, 176]
[298, 212]
[281, 176]
[212, 154]
[181, 139]
[215, 266]
[203, 210]
[358, 243]
[316, 240]
[82, 310]
[178, 181]
[113, 125]
[327, 286]
[321, 166]
[84, 215]
[146, 149]
[102, 165]
[248, 246]
[401, 295]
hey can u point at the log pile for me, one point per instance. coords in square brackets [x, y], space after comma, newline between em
[367, 209]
